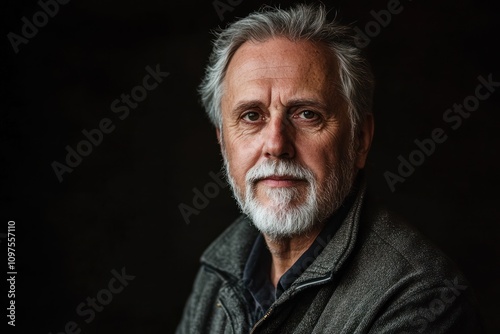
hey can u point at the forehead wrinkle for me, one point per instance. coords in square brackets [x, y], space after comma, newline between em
[268, 95]
[265, 71]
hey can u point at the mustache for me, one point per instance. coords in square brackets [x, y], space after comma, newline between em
[281, 168]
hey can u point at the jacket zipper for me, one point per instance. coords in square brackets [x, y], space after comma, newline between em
[261, 320]
[319, 281]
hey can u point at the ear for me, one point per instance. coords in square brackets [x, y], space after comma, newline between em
[365, 137]
[217, 131]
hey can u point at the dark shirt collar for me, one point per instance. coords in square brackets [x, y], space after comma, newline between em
[256, 276]
[257, 279]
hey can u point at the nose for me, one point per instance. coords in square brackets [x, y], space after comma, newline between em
[278, 139]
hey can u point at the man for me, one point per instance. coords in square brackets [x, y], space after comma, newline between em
[290, 96]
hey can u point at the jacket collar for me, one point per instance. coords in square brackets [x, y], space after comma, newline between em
[229, 252]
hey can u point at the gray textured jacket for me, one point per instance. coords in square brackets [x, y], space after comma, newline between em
[376, 275]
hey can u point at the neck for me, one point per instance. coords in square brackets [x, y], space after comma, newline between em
[286, 251]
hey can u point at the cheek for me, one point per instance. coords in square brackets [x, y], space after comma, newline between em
[321, 153]
[321, 162]
[242, 155]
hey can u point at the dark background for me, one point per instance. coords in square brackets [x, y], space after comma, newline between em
[119, 207]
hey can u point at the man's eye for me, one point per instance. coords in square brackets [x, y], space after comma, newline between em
[308, 114]
[251, 116]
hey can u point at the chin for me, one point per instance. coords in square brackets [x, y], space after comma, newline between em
[284, 221]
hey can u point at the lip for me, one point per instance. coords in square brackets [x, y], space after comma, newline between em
[276, 181]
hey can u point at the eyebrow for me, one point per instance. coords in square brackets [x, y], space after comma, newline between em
[245, 105]
[256, 104]
[306, 102]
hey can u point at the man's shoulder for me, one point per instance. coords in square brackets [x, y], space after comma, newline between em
[396, 270]
[401, 248]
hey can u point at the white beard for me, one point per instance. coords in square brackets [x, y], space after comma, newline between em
[288, 214]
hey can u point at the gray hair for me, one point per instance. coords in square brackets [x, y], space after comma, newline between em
[302, 22]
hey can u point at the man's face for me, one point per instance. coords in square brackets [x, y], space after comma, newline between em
[286, 134]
